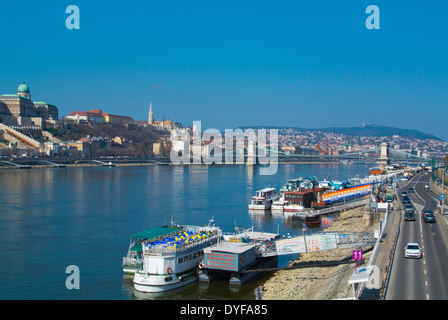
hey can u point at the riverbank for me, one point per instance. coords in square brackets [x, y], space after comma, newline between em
[33, 164]
[321, 283]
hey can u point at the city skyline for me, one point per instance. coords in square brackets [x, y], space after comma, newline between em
[231, 64]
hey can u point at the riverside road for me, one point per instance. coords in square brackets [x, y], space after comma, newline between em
[425, 278]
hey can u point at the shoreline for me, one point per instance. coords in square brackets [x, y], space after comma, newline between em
[139, 164]
[321, 283]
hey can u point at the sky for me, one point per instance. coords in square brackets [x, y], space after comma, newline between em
[308, 64]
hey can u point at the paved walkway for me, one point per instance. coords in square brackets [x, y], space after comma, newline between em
[384, 254]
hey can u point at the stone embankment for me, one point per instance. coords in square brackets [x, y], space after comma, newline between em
[322, 283]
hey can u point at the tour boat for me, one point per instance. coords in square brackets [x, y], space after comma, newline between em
[170, 257]
[291, 185]
[263, 199]
[279, 205]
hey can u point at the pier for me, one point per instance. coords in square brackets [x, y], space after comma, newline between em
[53, 164]
[104, 164]
[14, 165]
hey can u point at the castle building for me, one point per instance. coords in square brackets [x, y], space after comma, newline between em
[18, 109]
[161, 125]
[97, 116]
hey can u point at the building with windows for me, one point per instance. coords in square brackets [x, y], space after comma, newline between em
[19, 109]
[97, 116]
[161, 125]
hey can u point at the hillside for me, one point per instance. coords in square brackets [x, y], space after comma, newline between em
[138, 139]
[368, 130]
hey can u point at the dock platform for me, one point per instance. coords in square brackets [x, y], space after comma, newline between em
[229, 258]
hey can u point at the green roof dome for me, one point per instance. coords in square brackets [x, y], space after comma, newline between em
[23, 88]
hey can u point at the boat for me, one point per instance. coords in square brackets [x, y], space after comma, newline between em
[264, 199]
[312, 220]
[279, 205]
[170, 259]
[291, 185]
[133, 260]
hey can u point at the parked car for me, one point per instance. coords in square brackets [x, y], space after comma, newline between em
[412, 250]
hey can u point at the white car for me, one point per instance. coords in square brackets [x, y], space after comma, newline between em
[412, 250]
[426, 186]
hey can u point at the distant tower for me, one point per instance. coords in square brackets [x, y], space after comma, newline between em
[251, 154]
[150, 115]
[363, 123]
[384, 155]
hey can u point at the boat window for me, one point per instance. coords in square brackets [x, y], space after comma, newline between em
[180, 260]
[168, 279]
[186, 258]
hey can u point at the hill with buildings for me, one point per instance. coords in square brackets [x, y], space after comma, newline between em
[366, 131]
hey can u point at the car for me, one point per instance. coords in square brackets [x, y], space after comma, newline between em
[425, 212]
[429, 217]
[406, 199]
[409, 216]
[404, 193]
[426, 186]
[412, 250]
[411, 190]
[409, 208]
[390, 186]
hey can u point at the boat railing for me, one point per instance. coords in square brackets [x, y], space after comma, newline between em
[173, 248]
[131, 261]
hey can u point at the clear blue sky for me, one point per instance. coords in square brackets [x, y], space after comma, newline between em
[310, 64]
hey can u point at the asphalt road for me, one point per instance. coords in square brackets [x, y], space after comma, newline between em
[425, 278]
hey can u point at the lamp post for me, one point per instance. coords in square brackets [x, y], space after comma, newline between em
[443, 184]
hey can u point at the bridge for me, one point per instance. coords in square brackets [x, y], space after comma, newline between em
[384, 154]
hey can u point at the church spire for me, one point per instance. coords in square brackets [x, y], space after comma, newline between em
[150, 115]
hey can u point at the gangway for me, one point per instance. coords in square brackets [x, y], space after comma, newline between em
[158, 162]
[104, 164]
[57, 165]
[14, 165]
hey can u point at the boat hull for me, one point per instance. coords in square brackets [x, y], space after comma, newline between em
[163, 282]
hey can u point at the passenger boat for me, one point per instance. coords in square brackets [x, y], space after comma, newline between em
[291, 185]
[263, 199]
[170, 257]
[279, 205]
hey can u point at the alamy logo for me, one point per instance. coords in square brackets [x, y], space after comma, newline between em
[72, 281]
[207, 147]
[72, 21]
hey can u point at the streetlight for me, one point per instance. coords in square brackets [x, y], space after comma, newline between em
[443, 184]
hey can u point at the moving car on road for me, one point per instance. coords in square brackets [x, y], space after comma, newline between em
[409, 216]
[406, 199]
[411, 190]
[412, 250]
[429, 217]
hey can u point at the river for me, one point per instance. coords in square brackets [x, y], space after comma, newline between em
[52, 218]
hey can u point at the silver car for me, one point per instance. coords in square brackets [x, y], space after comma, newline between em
[412, 250]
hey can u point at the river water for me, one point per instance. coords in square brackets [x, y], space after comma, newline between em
[53, 218]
